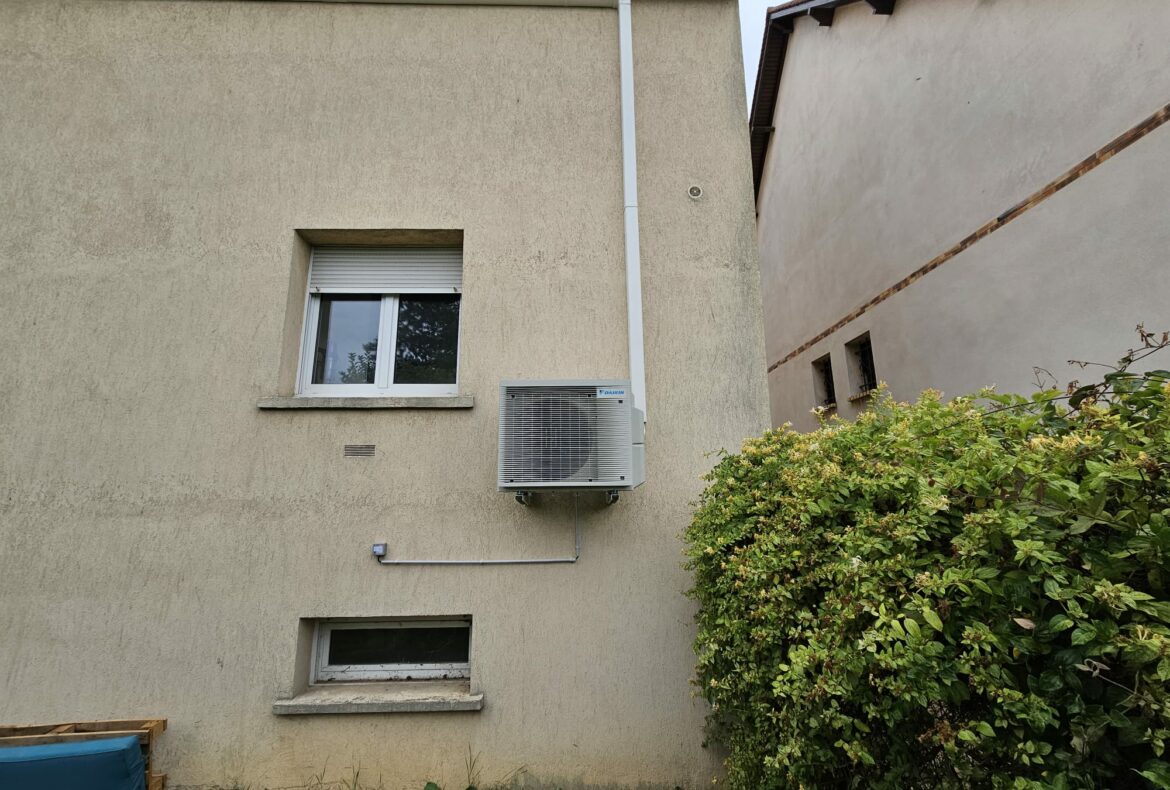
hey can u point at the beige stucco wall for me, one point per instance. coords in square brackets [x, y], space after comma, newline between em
[898, 136]
[163, 536]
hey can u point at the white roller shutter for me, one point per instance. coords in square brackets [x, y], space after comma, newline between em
[386, 270]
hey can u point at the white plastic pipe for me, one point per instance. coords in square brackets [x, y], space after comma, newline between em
[634, 330]
[542, 561]
[539, 561]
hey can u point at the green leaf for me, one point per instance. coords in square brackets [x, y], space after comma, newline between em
[913, 628]
[1164, 670]
[933, 619]
[967, 735]
[1096, 467]
[1080, 394]
[1084, 634]
[985, 729]
[1157, 772]
[1061, 622]
[1159, 609]
[431, 786]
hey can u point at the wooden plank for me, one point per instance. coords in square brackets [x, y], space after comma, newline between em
[70, 737]
[154, 726]
[824, 16]
[27, 729]
[156, 782]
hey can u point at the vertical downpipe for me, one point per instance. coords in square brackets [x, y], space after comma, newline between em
[630, 200]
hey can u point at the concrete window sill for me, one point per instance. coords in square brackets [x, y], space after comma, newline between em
[439, 402]
[404, 696]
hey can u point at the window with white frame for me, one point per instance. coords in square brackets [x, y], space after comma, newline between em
[382, 321]
[392, 650]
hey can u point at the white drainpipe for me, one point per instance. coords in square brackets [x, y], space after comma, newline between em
[637, 345]
[630, 194]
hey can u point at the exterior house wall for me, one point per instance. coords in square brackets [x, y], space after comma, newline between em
[164, 536]
[897, 136]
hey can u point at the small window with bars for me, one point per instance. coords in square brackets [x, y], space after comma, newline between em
[823, 389]
[406, 649]
[862, 373]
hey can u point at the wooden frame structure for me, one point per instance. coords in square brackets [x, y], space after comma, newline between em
[147, 730]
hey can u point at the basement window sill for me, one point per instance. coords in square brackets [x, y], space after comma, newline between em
[403, 696]
[301, 402]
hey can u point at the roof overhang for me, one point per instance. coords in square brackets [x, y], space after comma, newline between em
[778, 27]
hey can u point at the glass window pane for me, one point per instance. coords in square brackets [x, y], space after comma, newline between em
[428, 339]
[425, 645]
[347, 340]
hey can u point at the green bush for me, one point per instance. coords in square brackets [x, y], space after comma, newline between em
[944, 594]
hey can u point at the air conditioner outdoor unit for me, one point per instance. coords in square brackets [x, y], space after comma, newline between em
[583, 434]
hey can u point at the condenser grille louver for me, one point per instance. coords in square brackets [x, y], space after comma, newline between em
[565, 435]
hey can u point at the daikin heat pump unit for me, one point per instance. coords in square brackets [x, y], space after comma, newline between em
[569, 435]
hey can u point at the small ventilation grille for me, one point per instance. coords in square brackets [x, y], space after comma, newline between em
[358, 451]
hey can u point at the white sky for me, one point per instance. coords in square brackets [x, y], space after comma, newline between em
[751, 25]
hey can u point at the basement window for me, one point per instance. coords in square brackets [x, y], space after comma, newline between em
[823, 389]
[862, 373]
[376, 650]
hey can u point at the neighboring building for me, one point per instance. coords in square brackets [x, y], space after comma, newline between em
[902, 154]
[190, 489]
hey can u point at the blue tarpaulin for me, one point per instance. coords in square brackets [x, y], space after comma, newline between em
[103, 764]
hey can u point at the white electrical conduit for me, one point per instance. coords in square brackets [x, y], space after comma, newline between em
[544, 561]
[630, 194]
[637, 346]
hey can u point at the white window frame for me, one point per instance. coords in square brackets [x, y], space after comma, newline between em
[383, 385]
[324, 672]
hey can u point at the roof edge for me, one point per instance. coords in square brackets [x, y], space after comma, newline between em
[779, 24]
